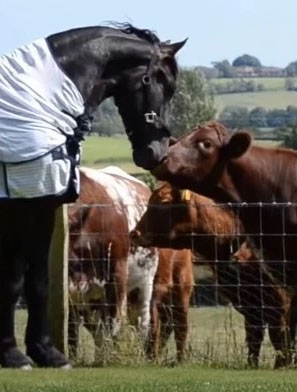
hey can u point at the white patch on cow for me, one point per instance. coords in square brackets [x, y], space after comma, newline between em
[126, 196]
[123, 191]
[142, 267]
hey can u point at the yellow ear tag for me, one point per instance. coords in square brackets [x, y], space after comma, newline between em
[186, 195]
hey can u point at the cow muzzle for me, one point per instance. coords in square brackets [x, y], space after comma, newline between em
[138, 239]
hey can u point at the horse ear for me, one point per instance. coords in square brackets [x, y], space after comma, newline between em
[238, 144]
[172, 49]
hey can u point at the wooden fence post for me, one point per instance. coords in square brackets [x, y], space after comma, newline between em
[58, 281]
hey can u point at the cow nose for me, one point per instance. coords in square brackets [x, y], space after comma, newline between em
[135, 236]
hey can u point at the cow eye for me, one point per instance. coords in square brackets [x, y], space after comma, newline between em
[206, 145]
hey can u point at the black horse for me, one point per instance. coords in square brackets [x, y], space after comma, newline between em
[139, 71]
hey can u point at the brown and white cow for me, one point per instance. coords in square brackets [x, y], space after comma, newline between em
[182, 219]
[105, 267]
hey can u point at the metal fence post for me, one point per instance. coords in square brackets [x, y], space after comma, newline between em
[58, 281]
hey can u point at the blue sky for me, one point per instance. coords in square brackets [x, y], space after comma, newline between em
[217, 29]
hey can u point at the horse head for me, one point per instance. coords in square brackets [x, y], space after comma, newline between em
[135, 68]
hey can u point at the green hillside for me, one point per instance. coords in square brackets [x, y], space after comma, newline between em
[267, 99]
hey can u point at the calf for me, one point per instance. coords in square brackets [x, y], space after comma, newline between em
[103, 265]
[182, 219]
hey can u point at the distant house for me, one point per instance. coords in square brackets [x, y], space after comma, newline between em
[245, 71]
[272, 72]
[258, 72]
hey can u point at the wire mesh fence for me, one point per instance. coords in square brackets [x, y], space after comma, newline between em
[242, 299]
[225, 301]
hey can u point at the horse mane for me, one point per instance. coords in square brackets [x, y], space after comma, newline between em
[145, 34]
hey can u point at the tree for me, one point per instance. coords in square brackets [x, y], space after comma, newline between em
[107, 120]
[192, 103]
[290, 137]
[291, 69]
[246, 60]
[224, 68]
[257, 118]
[234, 117]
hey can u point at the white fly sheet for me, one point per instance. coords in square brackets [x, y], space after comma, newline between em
[34, 92]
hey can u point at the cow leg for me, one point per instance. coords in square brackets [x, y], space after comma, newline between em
[254, 337]
[145, 301]
[116, 296]
[12, 267]
[166, 325]
[73, 327]
[180, 318]
[280, 339]
[38, 342]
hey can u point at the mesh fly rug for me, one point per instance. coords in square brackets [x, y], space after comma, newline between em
[35, 95]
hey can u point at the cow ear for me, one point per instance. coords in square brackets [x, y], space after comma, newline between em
[238, 144]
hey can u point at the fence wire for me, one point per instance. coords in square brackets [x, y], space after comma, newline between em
[125, 308]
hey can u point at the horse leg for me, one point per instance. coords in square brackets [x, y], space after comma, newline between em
[12, 268]
[38, 238]
[11, 280]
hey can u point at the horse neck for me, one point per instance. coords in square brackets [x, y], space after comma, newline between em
[80, 54]
[88, 57]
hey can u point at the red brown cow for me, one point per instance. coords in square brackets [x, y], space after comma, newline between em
[182, 219]
[228, 168]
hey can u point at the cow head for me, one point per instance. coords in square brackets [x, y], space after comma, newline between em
[168, 220]
[197, 160]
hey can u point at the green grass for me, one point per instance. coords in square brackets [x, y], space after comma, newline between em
[102, 151]
[148, 379]
[267, 99]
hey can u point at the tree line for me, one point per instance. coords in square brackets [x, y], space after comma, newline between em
[236, 117]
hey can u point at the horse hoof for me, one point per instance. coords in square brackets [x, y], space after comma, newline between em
[26, 367]
[66, 367]
[46, 355]
[14, 358]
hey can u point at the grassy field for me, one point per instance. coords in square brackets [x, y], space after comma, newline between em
[267, 99]
[102, 151]
[270, 84]
[216, 338]
[216, 362]
[148, 379]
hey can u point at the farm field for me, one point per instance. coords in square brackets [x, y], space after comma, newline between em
[102, 151]
[271, 84]
[268, 99]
